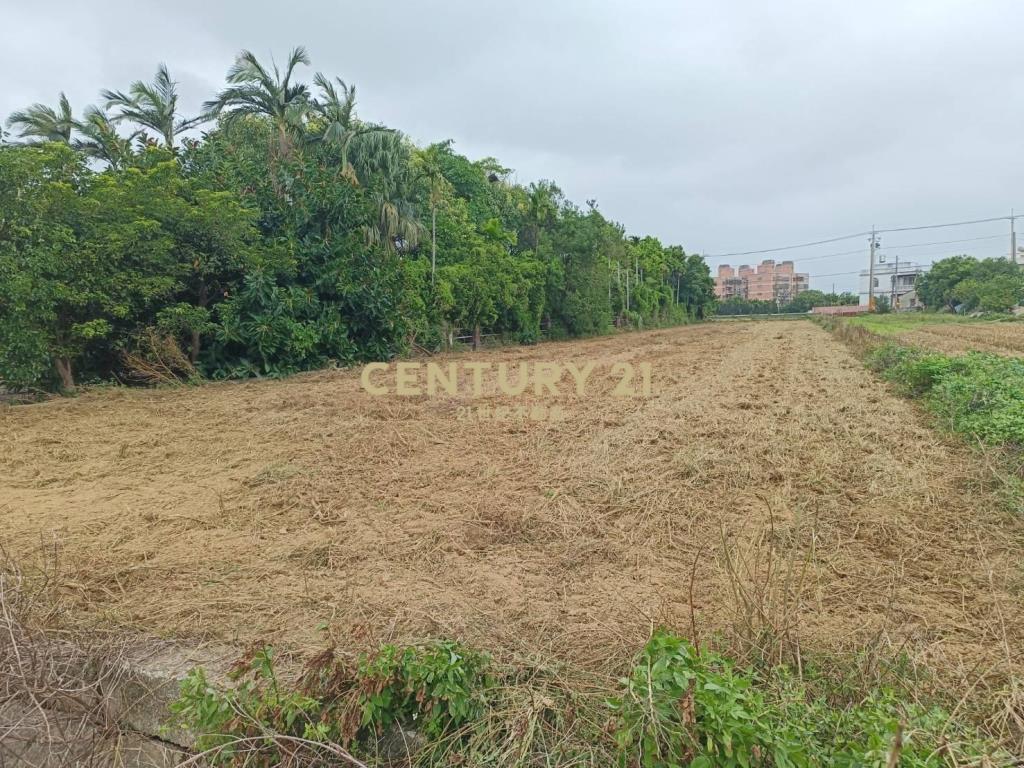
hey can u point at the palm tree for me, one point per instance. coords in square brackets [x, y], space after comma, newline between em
[432, 171]
[45, 123]
[338, 126]
[100, 139]
[253, 90]
[540, 212]
[381, 163]
[154, 106]
[395, 221]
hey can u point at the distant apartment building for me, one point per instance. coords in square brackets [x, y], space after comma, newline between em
[767, 281]
[895, 280]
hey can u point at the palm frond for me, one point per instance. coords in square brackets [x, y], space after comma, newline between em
[298, 55]
[44, 123]
[253, 90]
[152, 105]
[100, 139]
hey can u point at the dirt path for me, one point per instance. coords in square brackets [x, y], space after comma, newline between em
[263, 509]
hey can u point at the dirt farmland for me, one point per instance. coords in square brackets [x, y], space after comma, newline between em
[957, 338]
[263, 510]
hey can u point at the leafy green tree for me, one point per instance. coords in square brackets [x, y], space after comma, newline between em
[153, 106]
[991, 285]
[36, 230]
[95, 262]
[999, 293]
[472, 297]
[540, 212]
[805, 301]
[395, 223]
[215, 242]
[579, 251]
[936, 287]
[737, 305]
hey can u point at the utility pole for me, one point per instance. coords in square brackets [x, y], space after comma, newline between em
[627, 286]
[618, 281]
[895, 285]
[871, 272]
[1013, 239]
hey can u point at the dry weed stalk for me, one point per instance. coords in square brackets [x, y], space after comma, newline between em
[51, 708]
[158, 359]
[767, 588]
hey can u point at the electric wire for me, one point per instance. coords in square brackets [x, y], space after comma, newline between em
[861, 234]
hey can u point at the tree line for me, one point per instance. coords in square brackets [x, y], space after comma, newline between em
[291, 235]
[966, 284]
[802, 302]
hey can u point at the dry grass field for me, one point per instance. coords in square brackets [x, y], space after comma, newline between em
[956, 338]
[768, 478]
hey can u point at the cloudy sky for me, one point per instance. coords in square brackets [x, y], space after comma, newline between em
[721, 125]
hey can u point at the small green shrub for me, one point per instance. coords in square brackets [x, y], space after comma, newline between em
[915, 371]
[435, 687]
[233, 724]
[686, 707]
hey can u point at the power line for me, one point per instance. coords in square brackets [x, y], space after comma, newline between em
[915, 266]
[858, 234]
[786, 247]
[828, 255]
[947, 253]
[801, 260]
[897, 247]
[951, 224]
[946, 242]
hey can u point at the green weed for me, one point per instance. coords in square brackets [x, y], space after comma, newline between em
[979, 395]
[434, 688]
[677, 706]
[686, 707]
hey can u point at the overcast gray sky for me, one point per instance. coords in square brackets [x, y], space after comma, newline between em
[720, 125]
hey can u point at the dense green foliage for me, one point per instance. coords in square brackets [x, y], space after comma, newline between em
[290, 236]
[678, 706]
[988, 285]
[802, 302]
[979, 395]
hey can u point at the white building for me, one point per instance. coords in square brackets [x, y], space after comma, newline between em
[894, 279]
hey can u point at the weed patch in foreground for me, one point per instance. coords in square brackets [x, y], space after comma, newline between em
[687, 707]
[677, 706]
